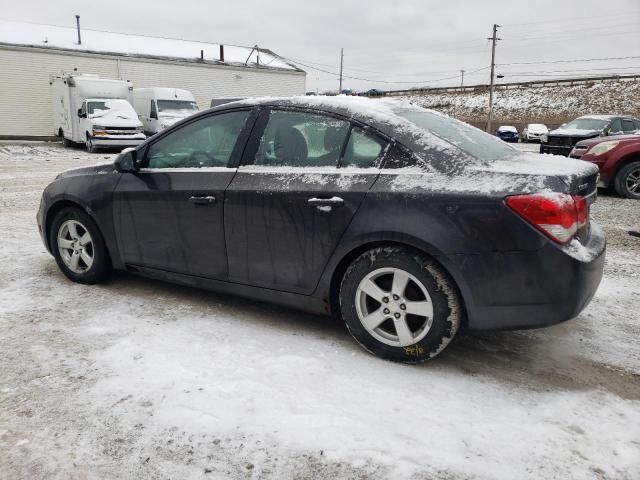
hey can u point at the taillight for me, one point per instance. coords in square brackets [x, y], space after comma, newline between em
[558, 215]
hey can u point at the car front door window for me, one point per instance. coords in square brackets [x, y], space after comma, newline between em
[616, 127]
[207, 142]
[299, 139]
[628, 126]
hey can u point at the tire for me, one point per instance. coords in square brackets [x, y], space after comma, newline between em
[70, 226]
[627, 181]
[66, 143]
[428, 285]
[91, 148]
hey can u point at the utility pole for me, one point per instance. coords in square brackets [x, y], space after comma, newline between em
[493, 39]
[341, 60]
[462, 79]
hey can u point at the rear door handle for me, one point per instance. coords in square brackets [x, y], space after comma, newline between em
[326, 202]
[202, 200]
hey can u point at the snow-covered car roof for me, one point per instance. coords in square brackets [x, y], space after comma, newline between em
[66, 38]
[507, 128]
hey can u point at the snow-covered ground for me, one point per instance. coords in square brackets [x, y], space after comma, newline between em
[549, 104]
[140, 379]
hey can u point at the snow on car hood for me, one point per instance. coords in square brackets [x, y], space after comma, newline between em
[118, 113]
[102, 168]
[176, 113]
[574, 132]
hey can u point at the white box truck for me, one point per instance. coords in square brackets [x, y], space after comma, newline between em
[160, 107]
[94, 111]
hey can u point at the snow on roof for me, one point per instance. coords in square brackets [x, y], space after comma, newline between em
[54, 37]
[599, 117]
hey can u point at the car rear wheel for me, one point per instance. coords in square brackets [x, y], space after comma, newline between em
[65, 142]
[627, 181]
[78, 247]
[399, 305]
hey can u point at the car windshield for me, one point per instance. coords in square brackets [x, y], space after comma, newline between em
[112, 108]
[467, 138]
[586, 124]
[172, 106]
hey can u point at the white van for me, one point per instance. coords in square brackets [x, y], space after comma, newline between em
[94, 111]
[160, 107]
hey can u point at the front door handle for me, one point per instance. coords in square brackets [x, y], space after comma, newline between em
[328, 202]
[202, 200]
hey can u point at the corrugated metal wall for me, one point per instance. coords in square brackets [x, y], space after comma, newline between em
[25, 104]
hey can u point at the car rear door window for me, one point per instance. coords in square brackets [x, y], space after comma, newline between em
[207, 142]
[301, 139]
[362, 149]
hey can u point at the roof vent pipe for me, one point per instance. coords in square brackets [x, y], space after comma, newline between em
[78, 28]
[222, 53]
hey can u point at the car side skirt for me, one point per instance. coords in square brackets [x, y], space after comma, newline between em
[306, 303]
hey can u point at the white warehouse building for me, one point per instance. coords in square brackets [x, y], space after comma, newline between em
[31, 53]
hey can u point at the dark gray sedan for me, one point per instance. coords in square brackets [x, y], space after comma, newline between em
[405, 223]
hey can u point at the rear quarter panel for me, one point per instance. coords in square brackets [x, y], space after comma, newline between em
[446, 225]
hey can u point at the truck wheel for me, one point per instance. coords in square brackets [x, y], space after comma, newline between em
[399, 304]
[65, 142]
[78, 247]
[627, 181]
[91, 148]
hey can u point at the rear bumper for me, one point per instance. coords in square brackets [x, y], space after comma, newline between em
[556, 149]
[519, 290]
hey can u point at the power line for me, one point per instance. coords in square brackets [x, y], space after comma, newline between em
[571, 71]
[379, 81]
[545, 33]
[571, 20]
[572, 61]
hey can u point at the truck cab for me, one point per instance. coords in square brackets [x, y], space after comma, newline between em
[109, 122]
[160, 107]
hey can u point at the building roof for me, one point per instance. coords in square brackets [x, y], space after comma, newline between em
[94, 41]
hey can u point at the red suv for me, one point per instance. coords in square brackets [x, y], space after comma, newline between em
[617, 158]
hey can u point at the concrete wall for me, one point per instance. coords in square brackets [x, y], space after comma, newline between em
[25, 101]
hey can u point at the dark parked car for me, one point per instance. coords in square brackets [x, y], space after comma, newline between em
[562, 140]
[405, 223]
[618, 160]
[508, 133]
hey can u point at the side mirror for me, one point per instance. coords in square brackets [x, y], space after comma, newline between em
[127, 161]
[81, 114]
[154, 115]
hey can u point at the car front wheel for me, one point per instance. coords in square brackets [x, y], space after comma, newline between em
[627, 181]
[399, 304]
[78, 247]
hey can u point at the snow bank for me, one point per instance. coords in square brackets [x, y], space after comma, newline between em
[549, 104]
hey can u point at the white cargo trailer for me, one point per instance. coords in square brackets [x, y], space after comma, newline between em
[94, 111]
[161, 107]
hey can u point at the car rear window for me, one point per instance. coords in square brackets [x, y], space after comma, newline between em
[467, 138]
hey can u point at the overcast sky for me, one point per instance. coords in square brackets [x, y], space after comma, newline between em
[405, 43]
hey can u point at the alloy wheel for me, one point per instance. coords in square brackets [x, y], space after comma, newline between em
[75, 246]
[633, 181]
[394, 307]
